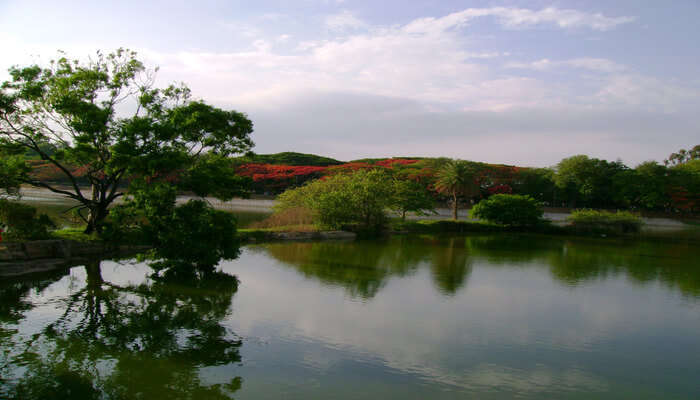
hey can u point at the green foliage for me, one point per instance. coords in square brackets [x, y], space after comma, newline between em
[13, 171]
[193, 234]
[587, 180]
[595, 221]
[644, 187]
[456, 178]
[45, 147]
[535, 182]
[288, 158]
[691, 166]
[683, 156]
[66, 113]
[74, 234]
[358, 199]
[21, 222]
[411, 196]
[509, 209]
[213, 176]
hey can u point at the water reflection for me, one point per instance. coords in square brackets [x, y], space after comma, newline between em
[91, 337]
[363, 268]
[483, 316]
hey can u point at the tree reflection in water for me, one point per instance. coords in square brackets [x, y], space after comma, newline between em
[363, 268]
[155, 338]
[145, 340]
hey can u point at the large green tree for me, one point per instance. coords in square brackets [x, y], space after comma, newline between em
[456, 178]
[645, 187]
[411, 196]
[587, 181]
[104, 121]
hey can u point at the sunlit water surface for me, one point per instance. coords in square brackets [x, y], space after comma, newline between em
[410, 317]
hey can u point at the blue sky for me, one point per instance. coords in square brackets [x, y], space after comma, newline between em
[516, 82]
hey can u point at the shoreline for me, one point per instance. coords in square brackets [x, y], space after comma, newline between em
[264, 205]
[29, 257]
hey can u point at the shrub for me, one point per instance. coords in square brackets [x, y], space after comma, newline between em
[355, 200]
[21, 222]
[191, 234]
[509, 210]
[194, 234]
[594, 221]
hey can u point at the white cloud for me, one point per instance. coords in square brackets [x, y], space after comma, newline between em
[485, 55]
[283, 38]
[425, 88]
[403, 90]
[519, 18]
[343, 21]
[593, 64]
[648, 93]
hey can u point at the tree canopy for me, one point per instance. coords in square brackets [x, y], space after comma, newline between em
[359, 198]
[456, 178]
[683, 156]
[105, 118]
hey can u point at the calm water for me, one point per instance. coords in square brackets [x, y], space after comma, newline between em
[411, 317]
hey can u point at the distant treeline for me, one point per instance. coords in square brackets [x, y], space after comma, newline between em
[577, 182]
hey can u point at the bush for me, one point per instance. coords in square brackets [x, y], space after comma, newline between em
[194, 234]
[21, 222]
[593, 221]
[356, 201]
[509, 210]
[191, 234]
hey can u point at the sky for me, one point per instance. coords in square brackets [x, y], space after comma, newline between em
[512, 82]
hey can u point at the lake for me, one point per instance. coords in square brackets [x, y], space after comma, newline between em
[411, 317]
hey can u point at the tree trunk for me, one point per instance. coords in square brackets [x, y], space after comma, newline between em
[403, 215]
[94, 275]
[93, 295]
[95, 217]
[454, 206]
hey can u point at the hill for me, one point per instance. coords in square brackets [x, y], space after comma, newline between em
[288, 158]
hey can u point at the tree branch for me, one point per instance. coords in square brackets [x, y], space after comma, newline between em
[35, 146]
[81, 199]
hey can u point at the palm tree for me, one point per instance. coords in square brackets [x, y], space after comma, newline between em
[455, 178]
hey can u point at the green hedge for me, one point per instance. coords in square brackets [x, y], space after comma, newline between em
[509, 210]
[595, 221]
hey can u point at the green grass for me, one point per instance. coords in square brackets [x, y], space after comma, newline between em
[75, 234]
